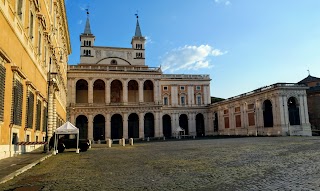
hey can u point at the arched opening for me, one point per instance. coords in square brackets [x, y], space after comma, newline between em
[82, 124]
[294, 116]
[99, 128]
[166, 122]
[133, 126]
[99, 91]
[267, 114]
[116, 91]
[133, 91]
[149, 125]
[200, 125]
[116, 127]
[183, 123]
[215, 123]
[148, 91]
[82, 91]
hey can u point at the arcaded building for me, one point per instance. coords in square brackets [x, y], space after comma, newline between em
[34, 46]
[277, 110]
[112, 93]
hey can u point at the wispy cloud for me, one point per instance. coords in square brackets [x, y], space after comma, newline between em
[80, 22]
[226, 2]
[189, 58]
[149, 40]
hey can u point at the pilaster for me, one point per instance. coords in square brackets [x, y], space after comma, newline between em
[141, 125]
[125, 125]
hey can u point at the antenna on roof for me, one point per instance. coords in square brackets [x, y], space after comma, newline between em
[308, 71]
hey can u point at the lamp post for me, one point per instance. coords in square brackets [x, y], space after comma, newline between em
[51, 80]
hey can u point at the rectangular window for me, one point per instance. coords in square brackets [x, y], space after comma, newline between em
[182, 100]
[44, 120]
[226, 122]
[238, 120]
[30, 105]
[237, 109]
[39, 43]
[37, 138]
[226, 111]
[198, 88]
[199, 100]
[38, 122]
[19, 9]
[251, 106]
[14, 138]
[165, 88]
[251, 119]
[181, 87]
[2, 89]
[31, 23]
[17, 96]
[165, 101]
[28, 138]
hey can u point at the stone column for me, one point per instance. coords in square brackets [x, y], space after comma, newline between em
[306, 108]
[141, 91]
[125, 93]
[174, 95]
[156, 92]
[90, 127]
[192, 124]
[108, 126]
[208, 94]
[205, 97]
[72, 120]
[73, 91]
[209, 123]
[107, 92]
[141, 125]
[50, 113]
[125, 125]
[160, 124]
[54, 114]
[157, 125]
[90, 91]
[190, 95]
[302, 110]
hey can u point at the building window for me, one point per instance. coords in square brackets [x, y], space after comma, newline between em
[138, 46]
[14, 138]
[139, 55]
[31, 25]
[226, 111]
[238, 120]
[86, 52]
[2, 88]
[226, 122]
[165, 88]
[30, 104]
[28, 138]
[165, 101]
[199, 99]
[44, 120]
[181, 87]
[113, 62]
[19, 9]
[17, 95]
[39, 43]
[198, 87]
[318, 84]
[182, 100]
[251, 119]
[237, 109]
[251, 106]
[38, 122]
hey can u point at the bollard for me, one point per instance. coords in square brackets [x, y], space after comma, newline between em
[99, 142]
[194, 137]
[131, 141]
[109, 143]
[90, 144]
[78, 151]
[123, 141]
[148, 139]
[120, 141]
[164, 138]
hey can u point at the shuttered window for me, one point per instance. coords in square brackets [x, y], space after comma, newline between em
[30, 105]
[38, 122]
[2, 89]
[17, 95]
[44, 120]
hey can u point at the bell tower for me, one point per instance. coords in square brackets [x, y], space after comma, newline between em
[86, 42]
[138, 43]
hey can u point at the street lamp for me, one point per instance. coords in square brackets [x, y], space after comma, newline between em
[51, 81]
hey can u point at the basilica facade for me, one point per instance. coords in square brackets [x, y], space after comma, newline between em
[114, 94]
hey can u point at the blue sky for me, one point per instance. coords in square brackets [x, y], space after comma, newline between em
[241, 44]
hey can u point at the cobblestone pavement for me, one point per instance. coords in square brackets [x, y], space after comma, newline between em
[256, 163]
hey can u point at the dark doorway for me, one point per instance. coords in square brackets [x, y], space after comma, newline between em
[149, 125]
[294, 116]
[215, 123]
[183, 123]
[267, 114]
[82, 124]
[99, 128]
[133, 125]
[116, 127]
[200, 125]
[166, 122]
